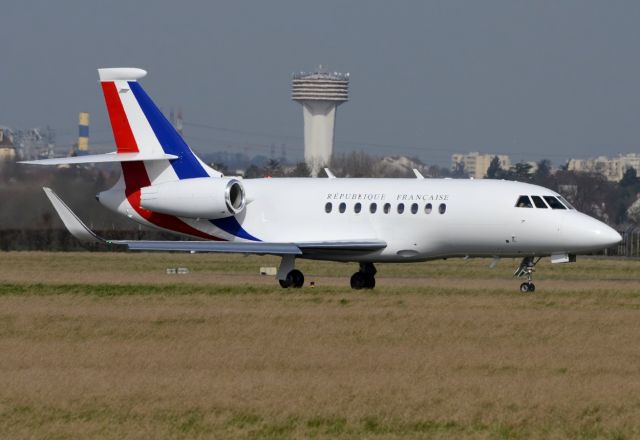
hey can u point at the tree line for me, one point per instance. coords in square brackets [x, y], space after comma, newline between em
[615, 203]
[27, 220]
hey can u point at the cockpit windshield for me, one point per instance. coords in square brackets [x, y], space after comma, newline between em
[554, 203]
[567, 204]
[524, 202]
[537, 200]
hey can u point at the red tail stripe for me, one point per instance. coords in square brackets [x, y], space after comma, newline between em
[122, 133]
[135, 177]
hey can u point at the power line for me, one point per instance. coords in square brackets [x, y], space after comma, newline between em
[300, 138]
[244, 132]
[354, 143]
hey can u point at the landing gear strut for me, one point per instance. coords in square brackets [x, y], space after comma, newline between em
[526, 269]
[365, 278]
[288, 276]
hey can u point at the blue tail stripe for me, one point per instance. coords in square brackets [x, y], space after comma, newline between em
[187, 165]
[231, 226]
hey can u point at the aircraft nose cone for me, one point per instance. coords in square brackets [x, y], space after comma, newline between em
[585, 233]
[610, 236]
[602, 235]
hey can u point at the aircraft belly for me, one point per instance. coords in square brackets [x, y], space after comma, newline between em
[471, 238]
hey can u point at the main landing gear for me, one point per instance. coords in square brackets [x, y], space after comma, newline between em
[288, 276]
[294, 279]
[526, 268]
[365, 278]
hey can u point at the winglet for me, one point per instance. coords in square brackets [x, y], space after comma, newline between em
[330, 175]
[70, 220]
[418, 174]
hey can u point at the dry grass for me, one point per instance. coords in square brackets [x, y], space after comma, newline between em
[107, 346]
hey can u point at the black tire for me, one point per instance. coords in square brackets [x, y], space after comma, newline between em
[527, 287]
[284, 284]
[358, 281]
[370, 281]
[295, 279]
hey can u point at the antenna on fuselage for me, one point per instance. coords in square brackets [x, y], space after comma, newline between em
[330, 175]
[418, 174]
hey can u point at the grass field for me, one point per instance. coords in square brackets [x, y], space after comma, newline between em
[101, 345]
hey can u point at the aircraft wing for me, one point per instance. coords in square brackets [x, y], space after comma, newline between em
[254, 247]
[79, 230]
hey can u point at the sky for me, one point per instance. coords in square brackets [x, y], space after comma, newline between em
[533, 79]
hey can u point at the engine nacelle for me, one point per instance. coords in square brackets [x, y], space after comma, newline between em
[203, 197]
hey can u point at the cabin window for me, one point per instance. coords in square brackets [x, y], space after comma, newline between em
[442, 208]
[524, 202]
[357, 207]
[342, 207]
[400, 208]
[373, 208]
[328, 207]
[387, 208]
[567, 204]
[428, 208]
[554, 203]
[537, 200]
[414, 208]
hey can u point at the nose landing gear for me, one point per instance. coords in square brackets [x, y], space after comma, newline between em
[526, 268]
[527, 287]
[365, 277]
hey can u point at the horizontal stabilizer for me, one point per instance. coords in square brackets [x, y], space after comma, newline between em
[101, 158]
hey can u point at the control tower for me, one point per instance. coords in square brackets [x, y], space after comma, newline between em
[320, 93]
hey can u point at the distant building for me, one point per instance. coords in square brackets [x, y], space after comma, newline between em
[176, 121]
[397, 166]
[7, 148]
[34, 143]
[476, 164]
[611, 168]
[534, 166]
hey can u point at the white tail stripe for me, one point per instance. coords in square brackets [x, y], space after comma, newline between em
[158, 172]
[142, 131]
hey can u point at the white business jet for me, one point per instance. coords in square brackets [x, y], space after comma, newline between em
[166, 186]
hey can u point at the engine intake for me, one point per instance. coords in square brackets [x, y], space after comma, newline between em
[204, 197]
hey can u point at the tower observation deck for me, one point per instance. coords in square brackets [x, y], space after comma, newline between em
[320, 93]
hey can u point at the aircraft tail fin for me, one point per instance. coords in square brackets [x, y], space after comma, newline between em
[140, 127]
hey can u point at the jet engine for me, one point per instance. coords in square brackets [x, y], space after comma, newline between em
[204, 197]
